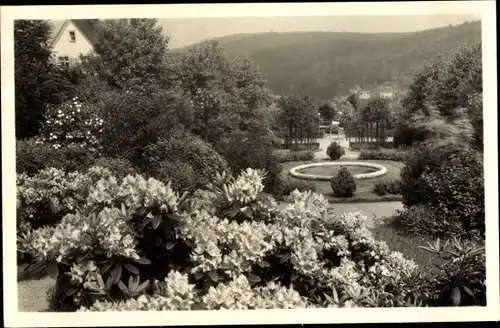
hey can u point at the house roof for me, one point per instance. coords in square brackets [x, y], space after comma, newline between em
[86, 26]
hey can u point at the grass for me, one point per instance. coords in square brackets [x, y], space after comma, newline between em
[364, 190]
[408, 245]
[31, 293]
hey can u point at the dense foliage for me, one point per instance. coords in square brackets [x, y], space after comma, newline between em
[287, 185]
[292, 156]
[335, 151]
[38, 82]
[184, 156]
[383, 154]
[392, 187]
[451, 88]
[343, 184]
[448, 177]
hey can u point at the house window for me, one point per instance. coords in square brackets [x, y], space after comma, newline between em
[72, 37]
[64, 61]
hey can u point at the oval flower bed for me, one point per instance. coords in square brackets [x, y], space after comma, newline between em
[380, 170]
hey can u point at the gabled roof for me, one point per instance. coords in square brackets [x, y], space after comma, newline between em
[88, 28]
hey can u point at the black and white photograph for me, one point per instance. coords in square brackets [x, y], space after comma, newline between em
[291, 163]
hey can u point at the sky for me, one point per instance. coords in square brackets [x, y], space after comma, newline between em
[187, 31]
[184, 31]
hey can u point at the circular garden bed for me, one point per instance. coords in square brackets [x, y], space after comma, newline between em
[359, 170]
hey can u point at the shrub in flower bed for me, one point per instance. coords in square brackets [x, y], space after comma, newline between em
[392, 187]
[449, 178]
[335, 151]
[135, 244]
[312, 146]
[184, 159]
[292, 156]
[371, 145]
[288, 185]
[425, 221]
[343, 184]
[383, 154]
[33, 155]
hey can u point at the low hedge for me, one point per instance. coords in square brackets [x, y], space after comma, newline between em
[286, 185]
[371, 145]
[398, 155]
[31, 157]
[392, 187]
[293, 156]
[301, 146]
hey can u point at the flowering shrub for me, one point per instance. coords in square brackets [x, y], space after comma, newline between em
[73, 123]
[343, 184]
[135, 244]
[335, 151]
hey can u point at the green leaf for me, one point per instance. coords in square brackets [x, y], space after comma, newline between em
[71, 291]
[156, 222]
[174, 217]
[248, 212]
[100, 281]
[264, 264]
[253, 279]
[232, 212]
[198, 275]
[116, 274]
[285, 258]
[142, 286]
[170, 244]
[109, 283]
[456, 296]
[214, 276]
[105, 268]
[53, 270]
[468, 291]
[294, 277]
[142, 260]
[123, 288]
[131, 268]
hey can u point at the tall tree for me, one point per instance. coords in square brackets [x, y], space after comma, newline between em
[129, 52]
[38, 82]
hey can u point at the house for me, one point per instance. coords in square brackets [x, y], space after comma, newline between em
[386, 93]
[364, 94]
[72, 38]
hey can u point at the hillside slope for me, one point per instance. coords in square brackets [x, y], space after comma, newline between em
[328, 64]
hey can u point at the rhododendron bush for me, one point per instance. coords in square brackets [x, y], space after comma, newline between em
[136, 244]
[72, 123]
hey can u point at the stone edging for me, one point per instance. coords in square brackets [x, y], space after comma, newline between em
[381, 170]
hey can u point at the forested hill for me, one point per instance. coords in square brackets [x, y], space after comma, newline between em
[327, 64]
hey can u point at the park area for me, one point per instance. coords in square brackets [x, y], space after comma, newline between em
[179, 183]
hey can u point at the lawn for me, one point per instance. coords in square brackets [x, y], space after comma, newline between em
[32, 293]
[408, 245]
[364, 191]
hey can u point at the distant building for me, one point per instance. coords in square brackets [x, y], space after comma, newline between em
[364, 94]
[386, 93]
[73, 38]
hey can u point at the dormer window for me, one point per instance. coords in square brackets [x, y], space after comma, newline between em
[72, 37]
